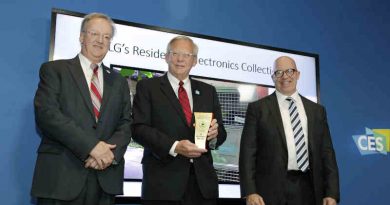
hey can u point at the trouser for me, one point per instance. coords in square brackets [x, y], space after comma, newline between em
[91, 194]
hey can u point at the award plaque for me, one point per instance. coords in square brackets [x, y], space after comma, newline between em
[202, 125]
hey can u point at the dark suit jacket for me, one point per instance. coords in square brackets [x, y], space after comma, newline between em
[263, 152]
[69, 131]
[158, 121]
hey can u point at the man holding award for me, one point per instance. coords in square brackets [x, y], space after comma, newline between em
[178, 120]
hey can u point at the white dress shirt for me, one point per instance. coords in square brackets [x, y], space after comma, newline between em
[88, 72]
[283, 106]
[175, 86]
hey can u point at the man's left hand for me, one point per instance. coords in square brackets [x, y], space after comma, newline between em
[329, 201]
[92, 163]
[213, 130]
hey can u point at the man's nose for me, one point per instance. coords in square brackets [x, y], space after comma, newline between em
[100, 38]
[284, 75]
[180, 57]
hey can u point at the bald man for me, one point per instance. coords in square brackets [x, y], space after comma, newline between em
[286, 154]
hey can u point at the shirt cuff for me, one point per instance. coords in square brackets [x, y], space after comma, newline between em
[172, 150]
[213, 143]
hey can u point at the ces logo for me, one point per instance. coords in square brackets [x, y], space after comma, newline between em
[375, 141]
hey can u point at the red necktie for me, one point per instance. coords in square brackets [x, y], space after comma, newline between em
[185, 103]
[96, 94]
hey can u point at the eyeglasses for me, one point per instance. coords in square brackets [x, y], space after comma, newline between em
[289, 72]
[184, 55]
[95, 35]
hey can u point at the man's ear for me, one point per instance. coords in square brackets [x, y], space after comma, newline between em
[298, 74]
[167, 58]
[195, 62]
[81, 38]
[273, 78]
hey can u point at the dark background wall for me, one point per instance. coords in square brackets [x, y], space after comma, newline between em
[351, 37]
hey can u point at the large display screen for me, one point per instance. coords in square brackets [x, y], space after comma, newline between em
[240, 72]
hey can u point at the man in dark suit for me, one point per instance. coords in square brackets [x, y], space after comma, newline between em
[176, 171]
[82, 110]
[286, 153]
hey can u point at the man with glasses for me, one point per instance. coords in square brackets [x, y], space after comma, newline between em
[82, 111]
[286, 153]
[176, 171]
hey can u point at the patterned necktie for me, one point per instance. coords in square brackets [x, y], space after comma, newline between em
[96, 93]
[185, 103]
[299, 137]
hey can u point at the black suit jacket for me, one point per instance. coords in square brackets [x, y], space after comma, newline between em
[158, 121]
[69, 131]
[263, 152]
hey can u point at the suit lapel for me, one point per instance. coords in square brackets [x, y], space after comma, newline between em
[107, 88]
[277, 117]
[310, 120]
[196, 98]
[79, 77]
[166, 88]
[196, 101]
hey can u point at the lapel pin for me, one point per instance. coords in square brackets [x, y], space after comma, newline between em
[108, 71]
[197, 92]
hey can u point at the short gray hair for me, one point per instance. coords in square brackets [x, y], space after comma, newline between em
[91, 16]
[195, 48]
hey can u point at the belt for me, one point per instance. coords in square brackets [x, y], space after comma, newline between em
[297, 173]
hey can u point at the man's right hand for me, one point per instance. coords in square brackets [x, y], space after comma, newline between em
[102, 154]
[189, 149]
[254, 199]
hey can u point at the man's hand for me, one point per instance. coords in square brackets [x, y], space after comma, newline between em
[213, 130]
[92, 163]
[329, 201]
[102, 154]
[254, 199]
[189, 149]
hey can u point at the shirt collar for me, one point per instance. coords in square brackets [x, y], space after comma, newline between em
[282, 98]
[85, 61]
[176, 81]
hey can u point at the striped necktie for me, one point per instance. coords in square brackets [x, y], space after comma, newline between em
[299, 137]
[185, 103]
[96, 93]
